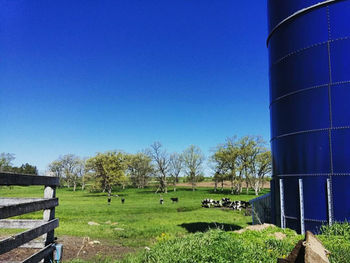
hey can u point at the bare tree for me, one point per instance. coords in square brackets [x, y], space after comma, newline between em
[6, 161]
[193, 159]
[81, 172]
[56, 168]
[69, 165]
[176, 166]
[161, 162]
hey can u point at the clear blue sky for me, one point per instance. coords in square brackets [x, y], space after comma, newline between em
[89, 76]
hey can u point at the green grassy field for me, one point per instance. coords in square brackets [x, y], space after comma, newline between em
[174, 232]
[141, 220]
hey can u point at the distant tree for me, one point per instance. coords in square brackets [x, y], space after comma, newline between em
[253, 161]
[140, 169]
[260, 167]
[193, 159]
[175, 168]
[26, 169]
[70, 163]
[6, 162]
[161, 161]
[6, 165]
[81, 172]
[108, 168]
[226, 160]
[56, 168]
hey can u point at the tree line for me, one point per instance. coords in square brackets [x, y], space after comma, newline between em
[117, 168]
[6, 165]
[244, 162]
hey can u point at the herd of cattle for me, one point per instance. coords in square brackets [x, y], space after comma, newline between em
[225, 202]
[207, 203]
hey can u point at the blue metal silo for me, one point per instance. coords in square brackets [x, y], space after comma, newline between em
[309, 59]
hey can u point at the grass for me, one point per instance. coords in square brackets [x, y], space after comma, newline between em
[175, 232]
[222, 247]
[142, 219]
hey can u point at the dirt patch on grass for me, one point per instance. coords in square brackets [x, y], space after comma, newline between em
[73, 248]
[255, 228]
[17, 255]
[85, 248]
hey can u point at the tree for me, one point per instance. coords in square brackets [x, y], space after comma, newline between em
[246, 158]
[6, 162]
[175, 168]
[81, 172]
[25, 169]
[161, 163]
[56, 168]
[6, 165]
[109, 169]
[226, 159]
[219, 169]
[193, 159]
[261, 166]
[250, 147]
[140, 169]
[70, 163]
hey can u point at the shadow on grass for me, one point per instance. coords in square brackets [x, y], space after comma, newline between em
[205, 226]
[170, 191]
[103, 194]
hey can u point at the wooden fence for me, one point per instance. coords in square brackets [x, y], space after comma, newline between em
[44, 228]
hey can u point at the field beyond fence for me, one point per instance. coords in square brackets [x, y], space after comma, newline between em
[141, 221]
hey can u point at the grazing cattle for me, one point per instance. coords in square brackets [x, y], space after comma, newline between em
[174, 199]
[123, 200]
[225, 202]
[109, 200]
[161, 200]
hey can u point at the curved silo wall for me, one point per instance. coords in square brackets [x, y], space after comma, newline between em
[309, 60]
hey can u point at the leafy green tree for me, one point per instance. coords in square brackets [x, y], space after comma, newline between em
[226, 160]
[109, 169]
[261, 166]
[250, 147]
[25, 169]
[243, 160]
[140, 169]
[193, 159]
[219, 169]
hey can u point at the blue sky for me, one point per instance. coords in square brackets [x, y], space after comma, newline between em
[89, 76]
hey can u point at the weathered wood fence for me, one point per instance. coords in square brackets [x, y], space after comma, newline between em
[10, 207]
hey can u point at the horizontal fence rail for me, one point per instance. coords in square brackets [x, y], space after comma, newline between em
[26, 180]
[40, 255]
[39, 233]
[24, 206]
[17, 240]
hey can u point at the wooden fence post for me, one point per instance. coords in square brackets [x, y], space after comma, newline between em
[49, 214]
